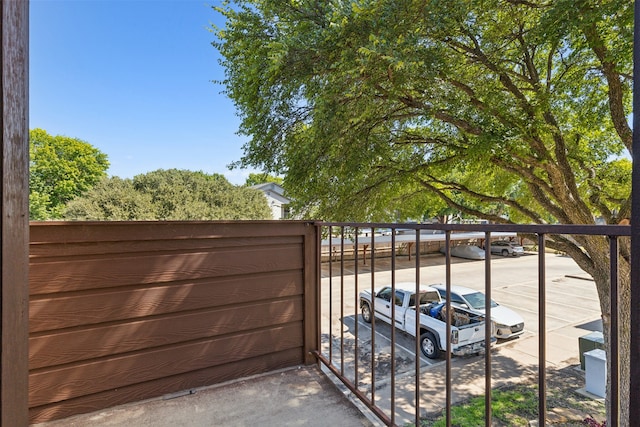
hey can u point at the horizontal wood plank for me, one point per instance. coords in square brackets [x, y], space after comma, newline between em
[47, 252]
[113, 231]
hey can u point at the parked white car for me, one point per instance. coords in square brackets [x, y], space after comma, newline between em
[506, 248]
[466, 251]
[508, 323]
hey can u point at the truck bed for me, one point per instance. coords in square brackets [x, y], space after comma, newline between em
[459, 317]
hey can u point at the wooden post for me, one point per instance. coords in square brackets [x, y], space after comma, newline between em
[14, 206]
[312, 279]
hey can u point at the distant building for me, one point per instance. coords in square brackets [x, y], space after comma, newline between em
[275, 197]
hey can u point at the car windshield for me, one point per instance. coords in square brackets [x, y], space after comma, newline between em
[477, 300]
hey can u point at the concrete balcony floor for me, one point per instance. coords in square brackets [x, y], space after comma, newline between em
[301, 396]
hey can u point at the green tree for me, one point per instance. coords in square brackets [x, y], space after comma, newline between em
[112, 199]
[261, 178]
[182, 195]
[169, 195]
[61, 168]
[513, 111]
[38, 205]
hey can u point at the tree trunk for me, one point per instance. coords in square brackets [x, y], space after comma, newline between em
[597, 248]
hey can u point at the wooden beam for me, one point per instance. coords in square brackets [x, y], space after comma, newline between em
[311, 293]
[14, 208]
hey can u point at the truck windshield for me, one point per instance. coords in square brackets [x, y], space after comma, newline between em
[425, 298]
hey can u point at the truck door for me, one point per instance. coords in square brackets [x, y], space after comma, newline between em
[383, 305]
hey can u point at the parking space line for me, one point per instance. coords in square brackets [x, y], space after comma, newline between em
[422, 359]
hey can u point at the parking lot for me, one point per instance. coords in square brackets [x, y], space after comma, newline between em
[571, 302]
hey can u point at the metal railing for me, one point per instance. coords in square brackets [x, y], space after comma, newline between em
[339, 296]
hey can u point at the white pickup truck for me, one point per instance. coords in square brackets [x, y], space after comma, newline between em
[467, 328]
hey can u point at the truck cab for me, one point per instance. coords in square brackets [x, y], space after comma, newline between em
[404, 298]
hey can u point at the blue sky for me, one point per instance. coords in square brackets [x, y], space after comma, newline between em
[134, 79]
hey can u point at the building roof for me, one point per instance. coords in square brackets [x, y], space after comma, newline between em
[272, 189]
[269, 186]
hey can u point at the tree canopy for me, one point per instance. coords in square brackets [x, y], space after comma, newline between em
[507, 110]
[60, 168]
[261, 178]
[511, 111]
[112, 199]
[169, 195]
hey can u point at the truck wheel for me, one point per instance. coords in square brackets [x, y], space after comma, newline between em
[429, 346]
[366, 312]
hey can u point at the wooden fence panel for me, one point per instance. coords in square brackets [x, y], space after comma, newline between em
[127, 311]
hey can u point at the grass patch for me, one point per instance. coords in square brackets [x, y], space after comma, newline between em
[514, 407]
[517, 404]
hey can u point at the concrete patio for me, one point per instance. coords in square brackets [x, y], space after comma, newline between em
[300, 396]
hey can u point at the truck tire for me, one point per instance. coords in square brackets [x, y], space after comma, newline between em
[429, 346]
[366, 312]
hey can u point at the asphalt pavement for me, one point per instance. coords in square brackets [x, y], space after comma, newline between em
[572, 310]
